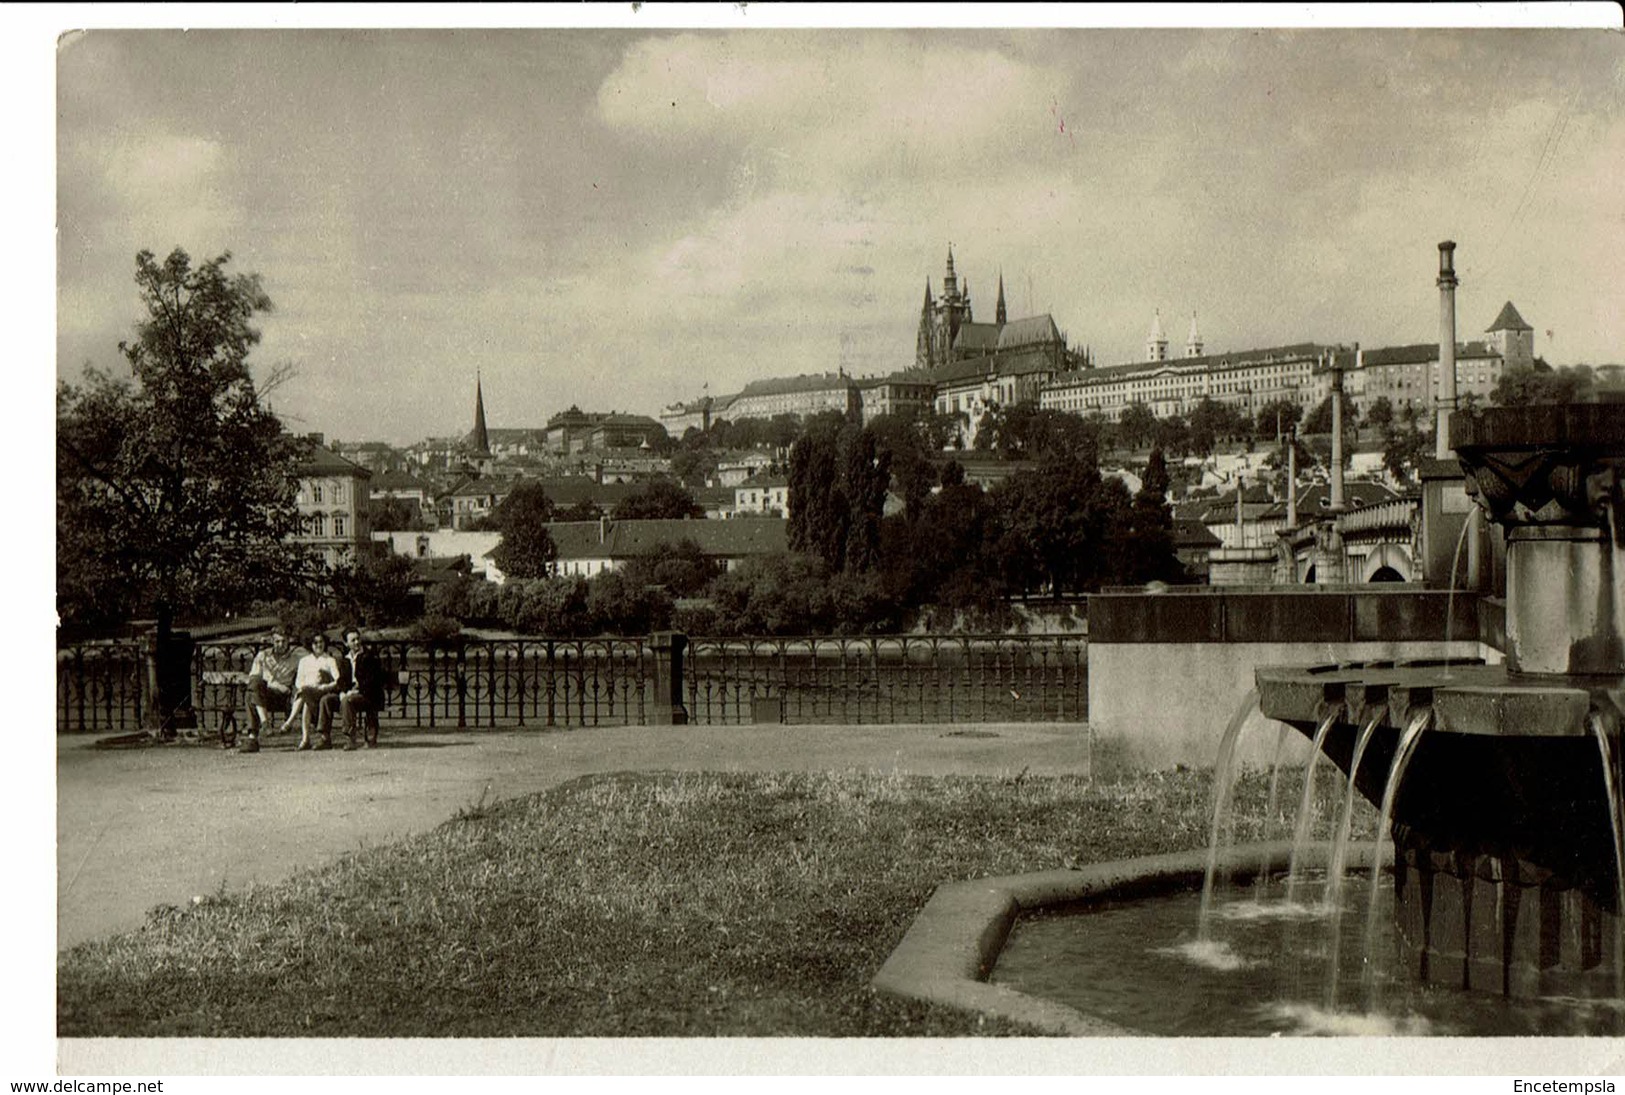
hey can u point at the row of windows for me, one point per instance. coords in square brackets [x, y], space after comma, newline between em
[329, 491]
[317, 524]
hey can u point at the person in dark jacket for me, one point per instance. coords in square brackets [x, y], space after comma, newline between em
[361, 693]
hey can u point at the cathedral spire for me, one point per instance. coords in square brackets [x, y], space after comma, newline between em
[480, 439]
[998, 309]
[924, 342]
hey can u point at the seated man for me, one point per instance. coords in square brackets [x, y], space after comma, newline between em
[318, 679]
[361, 694]
[270, 685]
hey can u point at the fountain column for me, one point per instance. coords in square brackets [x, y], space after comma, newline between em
[1447, 349]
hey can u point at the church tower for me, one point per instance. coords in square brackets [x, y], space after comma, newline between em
[1156, 343]
[1514, 338]
[952, 310]
[925, 342]
[999, 316]
[1193, 343]
[479, 440]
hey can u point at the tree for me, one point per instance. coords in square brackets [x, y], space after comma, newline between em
[1147, 541]
[662, 498]
[584, 510]
[838, 479]
[395, 515]
[1380, 414]
[1320, 419]
[1517, 387]
[1137, 426]
[1277, 418]
[376, 589]
[526, 549]
[679, 567]
[176, 495]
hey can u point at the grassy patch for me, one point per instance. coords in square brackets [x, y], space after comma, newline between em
[646, 905]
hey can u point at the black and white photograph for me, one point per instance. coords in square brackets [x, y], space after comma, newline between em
[635, 539]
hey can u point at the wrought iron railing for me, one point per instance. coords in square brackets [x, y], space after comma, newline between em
[101, 688]
[893, 678]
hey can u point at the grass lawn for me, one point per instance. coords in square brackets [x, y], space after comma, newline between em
[625, 905]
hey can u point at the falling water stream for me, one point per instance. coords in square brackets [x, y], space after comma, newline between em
[1223, 786]
[1450, 598]
[1270, 803]
[1608, 744]
[1300, 833]
[1396, 773]
[1333, 901]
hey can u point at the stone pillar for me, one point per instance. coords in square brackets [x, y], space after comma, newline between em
[1337, 440]
[668, 709]
[1447, 349]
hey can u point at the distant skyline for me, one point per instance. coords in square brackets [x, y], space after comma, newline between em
[614, 218]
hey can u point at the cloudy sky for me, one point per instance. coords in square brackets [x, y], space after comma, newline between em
[614, 218]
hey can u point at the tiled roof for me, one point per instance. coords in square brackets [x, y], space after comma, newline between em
[1295, 352]
[977, 336]
[1415, 353]
[783, 385]
[1191, 533]
[396, 480]
[1508, 320]
[624, 539]
[1029, 331]
[320, 460]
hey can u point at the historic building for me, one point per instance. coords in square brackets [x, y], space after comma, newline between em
[334, 500]
[1246, 379]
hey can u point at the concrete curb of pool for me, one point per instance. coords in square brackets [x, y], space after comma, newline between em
[951, 948]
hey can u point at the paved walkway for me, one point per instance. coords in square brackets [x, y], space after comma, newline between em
[138, 827]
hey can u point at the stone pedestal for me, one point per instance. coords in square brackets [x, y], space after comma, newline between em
[667, 708]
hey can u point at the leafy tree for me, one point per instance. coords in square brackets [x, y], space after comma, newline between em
[376, 588]
[1320, 419]
[1147, 553]
[1172, 434]
[395, 515]
[617, 605]
[584, 510]
[681, 568]
[838, 480]
[1277, 418]
[660, 498]
[1403, 448]
[694, 467]
[1380, 414]
[1137, 426]
[176, 494]
[1518, 387]
[1057, 526]
[526, 549]
[908, 450]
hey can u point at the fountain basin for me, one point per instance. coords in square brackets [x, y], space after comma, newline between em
[953, 945]
[1504, 850]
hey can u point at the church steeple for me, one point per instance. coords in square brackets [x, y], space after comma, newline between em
[1156, 343]
[924, 343]
[998, 309]
[1193, 344]
[480, 439]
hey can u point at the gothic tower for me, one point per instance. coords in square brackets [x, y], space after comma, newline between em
[952, 310]
[925, 342]
[998, 309]
[479, 440]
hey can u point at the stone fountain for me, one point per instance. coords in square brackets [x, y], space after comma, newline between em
[1505, 815]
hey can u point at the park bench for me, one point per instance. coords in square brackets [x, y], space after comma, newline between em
[224, 696]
